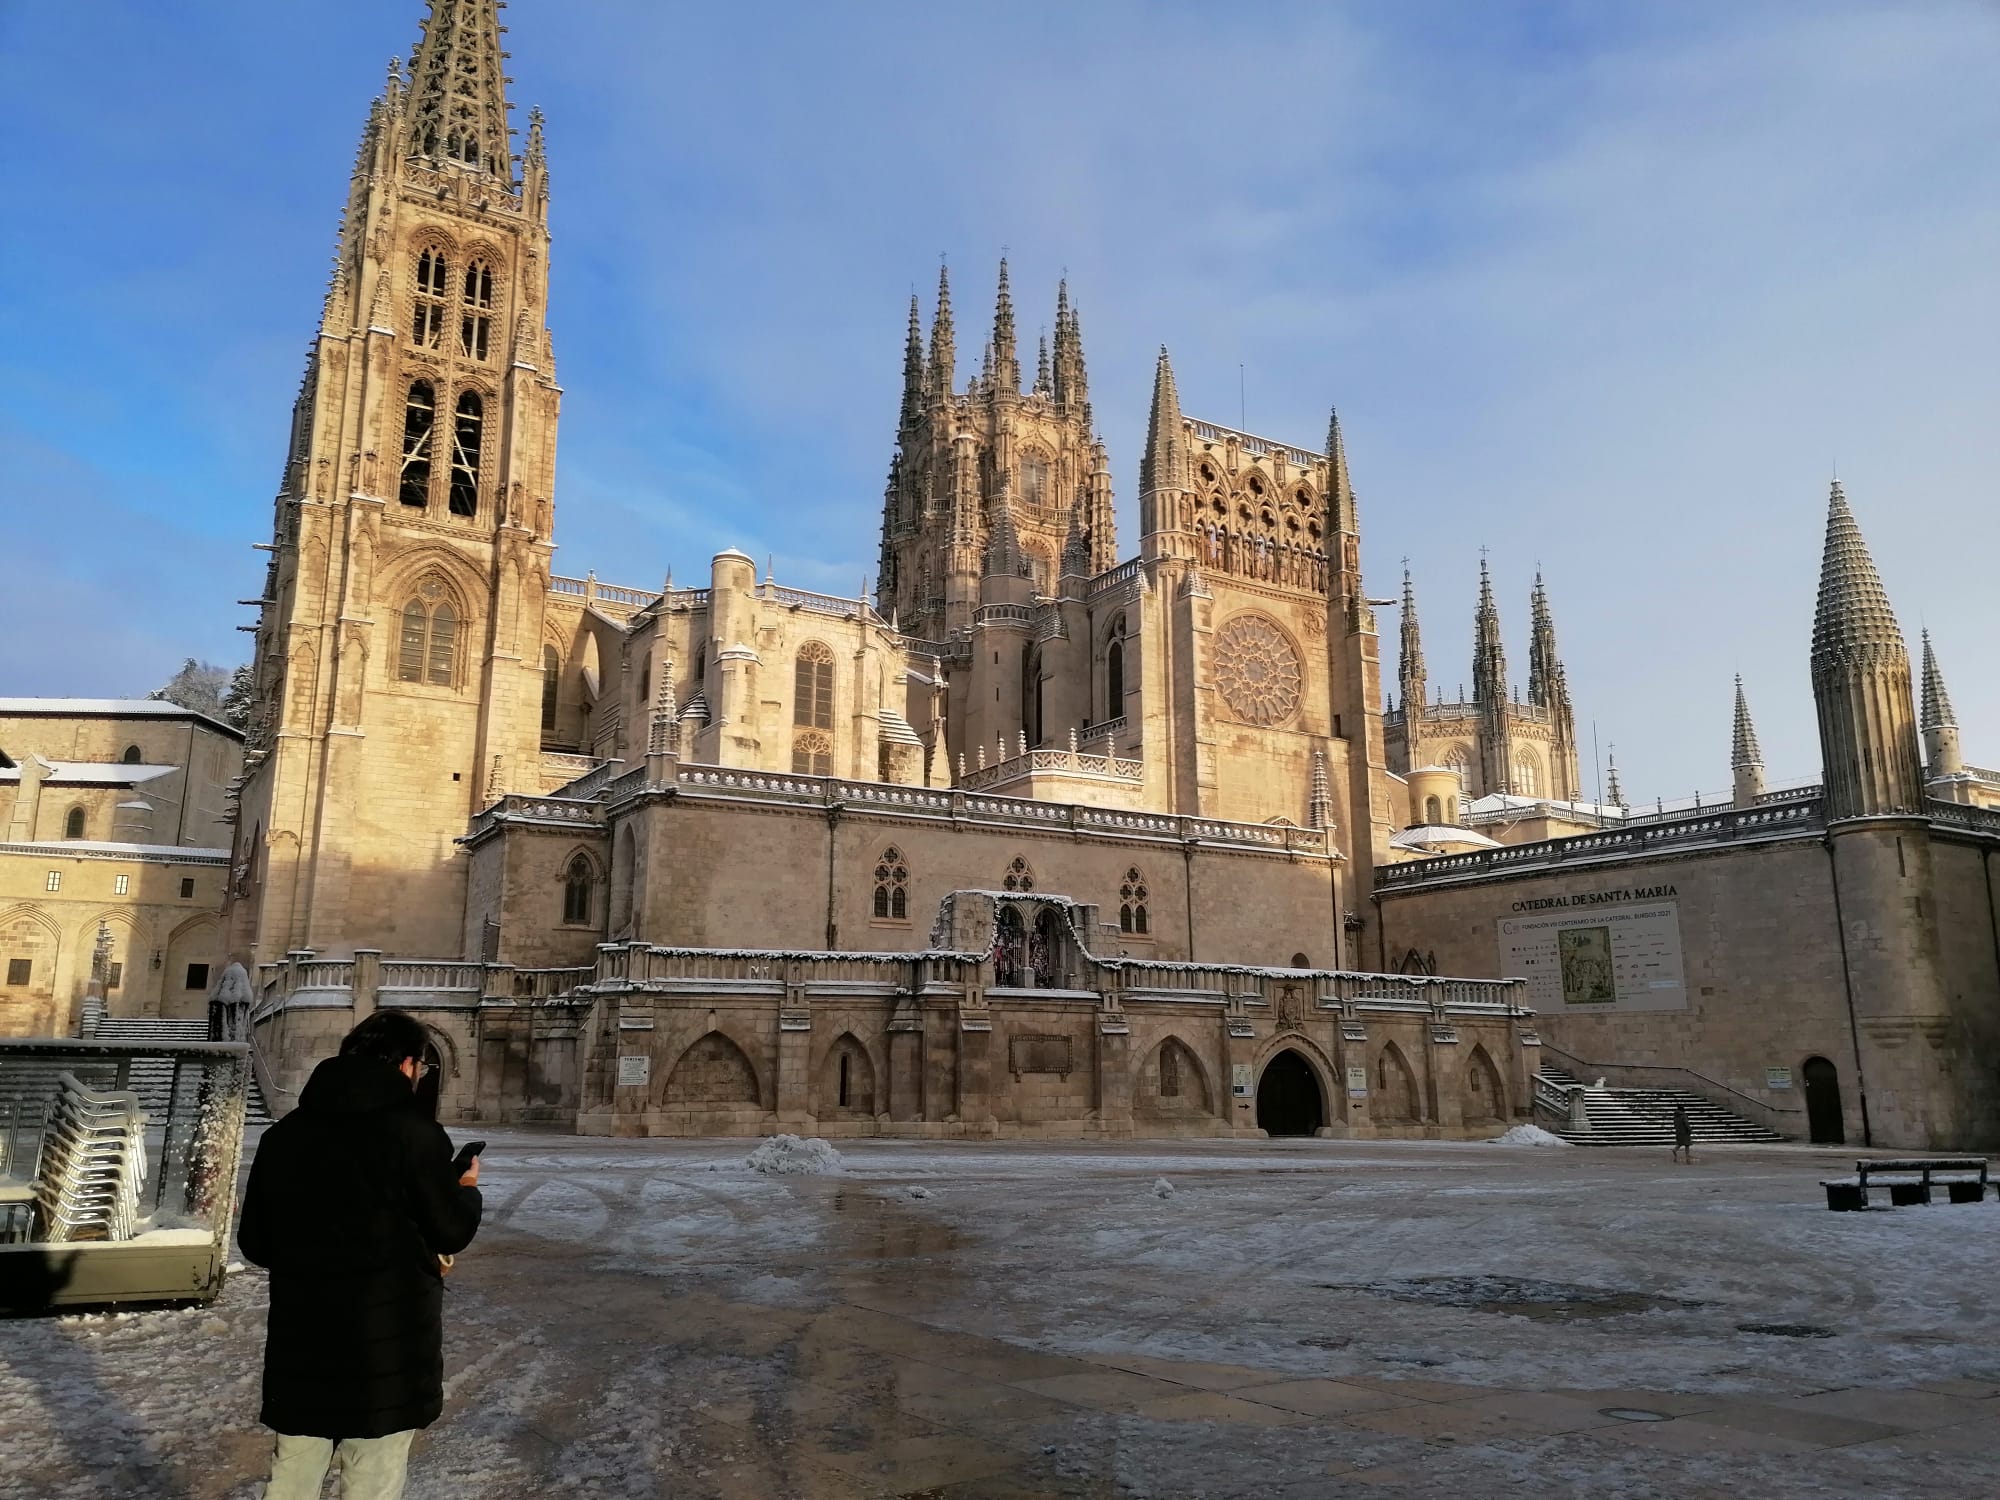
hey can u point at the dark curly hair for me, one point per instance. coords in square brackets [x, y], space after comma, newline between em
[391, 1035]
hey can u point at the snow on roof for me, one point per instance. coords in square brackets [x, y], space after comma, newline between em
[93, 773]
[1435, 835]
[110, 708]
[1497, 803]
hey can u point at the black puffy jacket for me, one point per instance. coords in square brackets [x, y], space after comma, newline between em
[352, 1198]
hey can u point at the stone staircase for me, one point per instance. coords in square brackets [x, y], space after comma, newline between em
[151, 1077]
[1645, 1117]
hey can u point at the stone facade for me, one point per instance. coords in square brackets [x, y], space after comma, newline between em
[112, 813]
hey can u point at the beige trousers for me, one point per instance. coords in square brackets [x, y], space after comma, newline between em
[364, 1468]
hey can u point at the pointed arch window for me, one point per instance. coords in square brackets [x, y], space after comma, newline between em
[1527, 776]
[468, 425]
[427, 649]
[1133, 899]
[433, 288]
[419, 418]
[131, 756]
[551, 687]
[812, 687]
[1020, 876]
[476, 312]
[1114, 672]
[812, 752]
[892, 886]
[579, 880]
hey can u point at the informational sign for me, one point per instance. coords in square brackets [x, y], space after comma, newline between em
[1357, 1083]
[634, 1070]
[1597, 951]
[1239, 1080]
[1777, 1078]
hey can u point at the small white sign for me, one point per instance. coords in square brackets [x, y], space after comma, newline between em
[635, 1069]
[1777, 1078]
[1239, 1079]
[1357, 1083]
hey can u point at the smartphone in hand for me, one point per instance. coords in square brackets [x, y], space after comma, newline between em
[462, 1163]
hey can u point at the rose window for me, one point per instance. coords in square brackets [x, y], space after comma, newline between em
[1258, 670]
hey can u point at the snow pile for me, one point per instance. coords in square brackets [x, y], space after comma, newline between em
[1162, 1188]
[1527, 1135]
[787, 1155]
[921, 1192]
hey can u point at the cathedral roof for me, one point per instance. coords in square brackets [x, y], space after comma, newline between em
[1854, 616]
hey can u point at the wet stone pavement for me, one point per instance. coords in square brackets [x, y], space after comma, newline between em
[652, 1319]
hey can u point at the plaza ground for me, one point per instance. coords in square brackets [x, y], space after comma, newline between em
[1270, 1319]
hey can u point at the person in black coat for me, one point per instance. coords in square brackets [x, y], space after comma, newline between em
[352, 1199]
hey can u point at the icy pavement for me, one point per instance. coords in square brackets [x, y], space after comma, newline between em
[654, 1319]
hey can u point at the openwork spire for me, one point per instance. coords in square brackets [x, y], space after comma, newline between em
[1743, 749]
[458, 89]
[1489, 656]
[1319, 802]
[1164, 466]
[1069, 382]
[1937, 711]
[913, 366]
[943, 371]
[1546, 687]
[1042, 384]
[1614, 794]
[1410, 675]
[1006, 365]
[1854, 621]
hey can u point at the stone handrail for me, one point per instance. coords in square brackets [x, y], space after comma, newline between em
[1964, 815]
[1124, 573]
[1020, 613]
[1257, 447]
[516, 807]
[432, 974]
[538, 984]
[1075, 761]
[1782, 820]
[589, 589]
[824, 604]
[173, 854]
[326, 974]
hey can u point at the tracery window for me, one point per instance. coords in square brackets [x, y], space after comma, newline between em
[551, 686]
[577, 883]
[812, 752]
[433, 280]
[1035, 479]
[467, 426]
[419, 417]
[476, 312]
[1527, 776]
[427, 649]
[1133, 898]
[892, 886]
[1020, 876]
[812, 687]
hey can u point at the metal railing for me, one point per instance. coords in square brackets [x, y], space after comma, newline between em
[1785, 1119]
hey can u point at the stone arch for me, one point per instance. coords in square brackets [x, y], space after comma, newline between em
[846, 1078]
[713, 1070]
[581, 877]
[1393, 1093]
[1292, 1094]
[198, 939]
[1526, 774]
[1485, 1094]
[1174, 1081]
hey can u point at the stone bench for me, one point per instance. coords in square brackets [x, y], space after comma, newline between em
[1909, 1181]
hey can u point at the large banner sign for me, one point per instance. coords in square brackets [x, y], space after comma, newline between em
[1597, 950]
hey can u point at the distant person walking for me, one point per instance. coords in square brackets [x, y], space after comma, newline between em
[1683, 1135]
[353, 1199]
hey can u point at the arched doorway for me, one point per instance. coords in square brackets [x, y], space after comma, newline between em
[432, 1082]
[1288, 1097]
[1824, 1120]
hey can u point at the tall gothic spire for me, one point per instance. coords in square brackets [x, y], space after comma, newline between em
[1071, 385]
[1614, 794]
[1937, 710]
[1743, 749]
[458, 89]
[1410, 675]
[1340, 488]
[1163, 467]
[1861, 681]
[1006, 365]
[1489, 656]
[1544, 666]
[1042, 386]
[913, 366]
[943, 371]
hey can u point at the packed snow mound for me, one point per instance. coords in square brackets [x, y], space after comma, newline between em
[787, 1155]
[921, 1192]
[1528, 1135]
[1162, 1188]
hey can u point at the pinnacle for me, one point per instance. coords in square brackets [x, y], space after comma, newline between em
[1161, 467]
[1744, 750]
[1937, 710]
[458, 88]
[1853, 614]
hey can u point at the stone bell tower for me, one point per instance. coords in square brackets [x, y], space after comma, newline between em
[397, 674]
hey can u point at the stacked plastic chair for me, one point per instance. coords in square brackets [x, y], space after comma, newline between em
[93, 1163]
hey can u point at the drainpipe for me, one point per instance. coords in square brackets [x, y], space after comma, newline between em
[1187, 890]
[1847, 983]
[832, 927]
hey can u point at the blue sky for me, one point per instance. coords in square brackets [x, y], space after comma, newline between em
[1607, 289]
